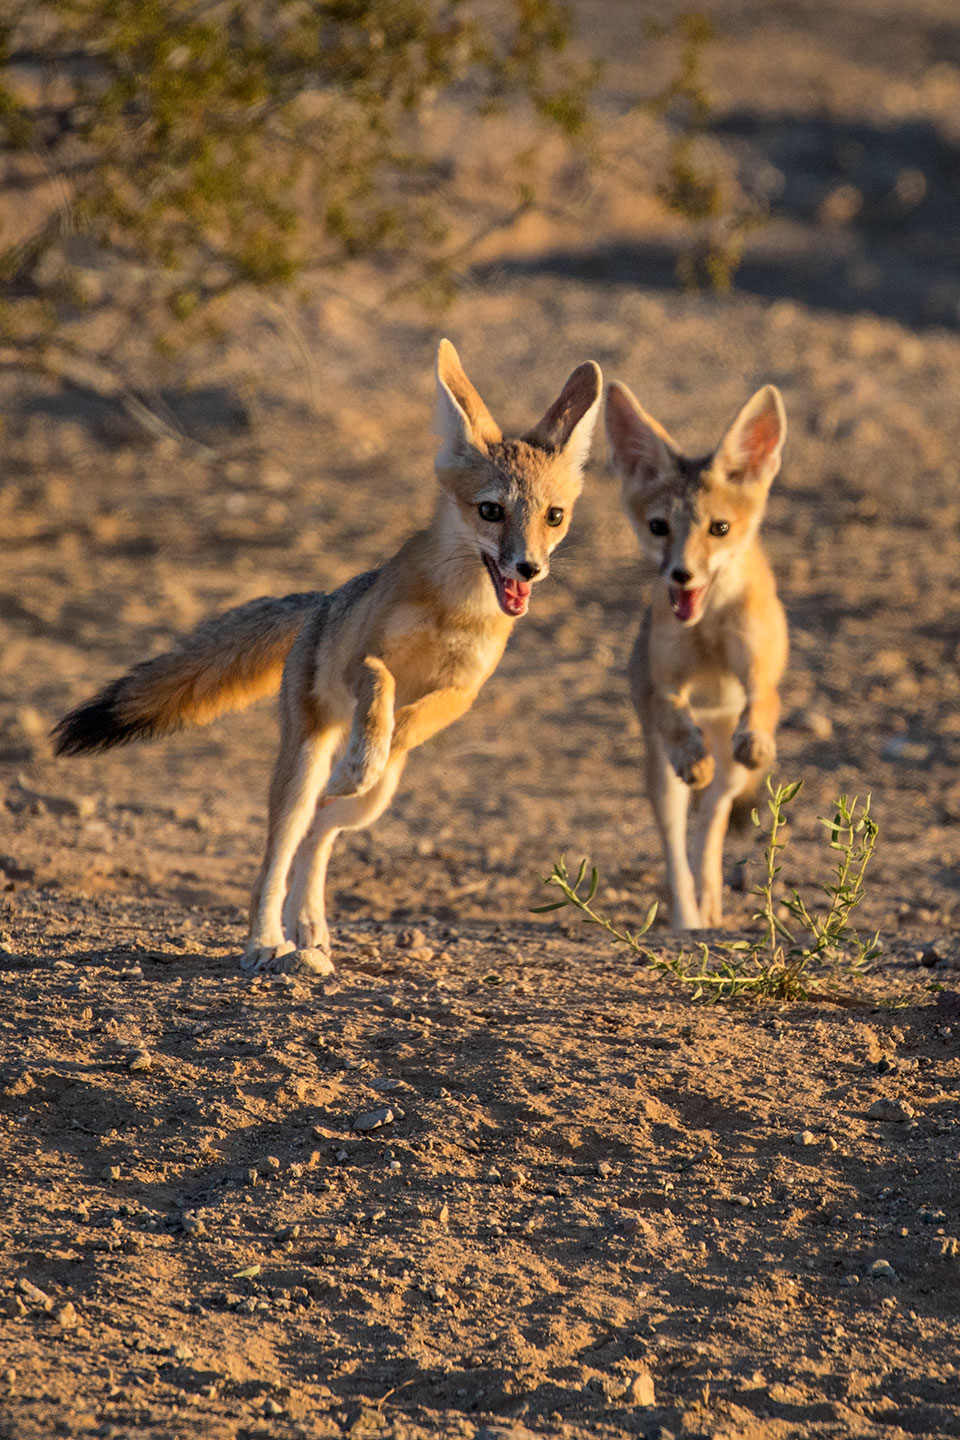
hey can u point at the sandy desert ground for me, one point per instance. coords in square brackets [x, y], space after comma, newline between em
[597, 1208]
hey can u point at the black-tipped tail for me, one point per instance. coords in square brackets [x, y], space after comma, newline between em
[225, 664]
[100, 725]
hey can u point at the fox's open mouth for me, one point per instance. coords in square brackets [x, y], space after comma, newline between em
[687, 604]
[512, 594]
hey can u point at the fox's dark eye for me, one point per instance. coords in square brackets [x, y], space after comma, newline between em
[719, 527]
[491, 511]
[659, 527]
[554, 515]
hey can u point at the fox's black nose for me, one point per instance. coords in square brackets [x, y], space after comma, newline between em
[527, 569]
[681, 576]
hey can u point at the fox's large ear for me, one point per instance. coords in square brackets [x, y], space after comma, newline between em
[569, 423]
[640, 447]
[751, 449]
[463, 423]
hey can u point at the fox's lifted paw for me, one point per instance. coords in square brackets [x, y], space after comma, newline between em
[754, 748]
[358, 770]
[693, 762]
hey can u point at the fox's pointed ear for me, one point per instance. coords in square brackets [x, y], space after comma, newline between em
[569, 423]
[640, 447]
[751, 448]
[463, 422]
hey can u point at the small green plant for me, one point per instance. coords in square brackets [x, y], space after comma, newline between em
[782, 963]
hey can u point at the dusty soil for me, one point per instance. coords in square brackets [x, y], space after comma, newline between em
[590, 1214]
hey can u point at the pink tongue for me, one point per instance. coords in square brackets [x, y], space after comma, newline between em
[516, 589]
[685, 603]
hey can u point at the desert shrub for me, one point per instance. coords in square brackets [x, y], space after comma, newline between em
[822, 949]
[162, 155]
[214, 144]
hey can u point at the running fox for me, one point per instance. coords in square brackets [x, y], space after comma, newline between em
[713, 645]
[373, 669]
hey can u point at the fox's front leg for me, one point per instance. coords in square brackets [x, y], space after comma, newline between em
[371, 732]
[415, 723]
[683, 739]
[753, 742]
[753, 739]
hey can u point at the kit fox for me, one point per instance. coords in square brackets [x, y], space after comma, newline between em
[713, 645]
[373, 669]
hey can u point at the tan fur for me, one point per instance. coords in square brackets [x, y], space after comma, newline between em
[226, 664]
[378, 666]
[713, 645]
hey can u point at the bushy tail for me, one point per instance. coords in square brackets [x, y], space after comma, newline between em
[225, 664]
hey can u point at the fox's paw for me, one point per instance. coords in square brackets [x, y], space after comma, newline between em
[358, 771]
[693, 762]
[754, 748]
[259, 959]
[685, 917]
[711, 910]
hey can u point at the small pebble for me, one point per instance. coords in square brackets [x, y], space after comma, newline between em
[640, 1391]
[374, 1119]
[883, 1270]
[804, 1137]
[66, 1315]
[34, 1294]
[142, 1060]
[812, 722]
[411, 939]
[310, 961]
[897, 1111]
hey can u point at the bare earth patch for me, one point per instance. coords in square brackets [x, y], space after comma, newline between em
[491, 1179]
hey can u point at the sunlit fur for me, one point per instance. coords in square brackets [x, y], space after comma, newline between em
[713, 645]
[374, 668]
[528, 481]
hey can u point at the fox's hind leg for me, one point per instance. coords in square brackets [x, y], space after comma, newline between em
[670, 798]
[305, 910]
[301, 772]
[712, 818]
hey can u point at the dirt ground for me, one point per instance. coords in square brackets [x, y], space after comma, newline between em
[597, 1207]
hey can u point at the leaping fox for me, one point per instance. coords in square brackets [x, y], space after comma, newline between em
[712, 647]
[373, 669]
